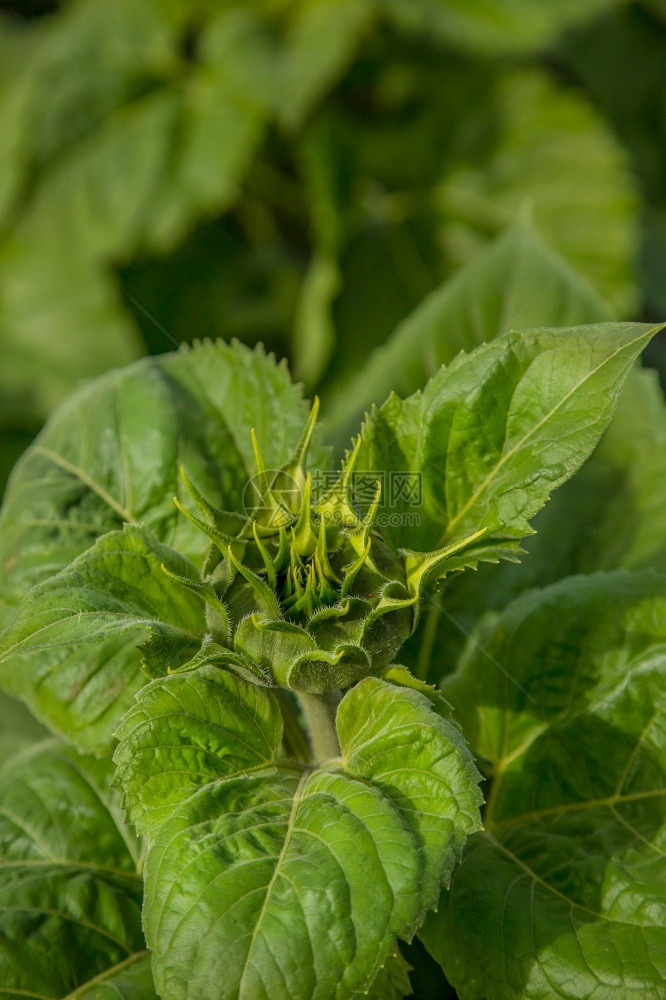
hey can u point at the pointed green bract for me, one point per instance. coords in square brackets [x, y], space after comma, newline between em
[497, 430]
[285, 850]
[564, 698]
[71, 650]
[70, 882]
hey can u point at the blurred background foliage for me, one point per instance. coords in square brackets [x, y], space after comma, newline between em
[304, 172]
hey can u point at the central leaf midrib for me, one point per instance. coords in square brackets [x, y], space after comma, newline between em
[285, 847]
[82, 475]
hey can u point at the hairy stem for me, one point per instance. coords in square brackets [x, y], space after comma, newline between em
[319, 711]
[295, 740]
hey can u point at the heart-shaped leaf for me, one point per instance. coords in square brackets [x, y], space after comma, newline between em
[269, 878]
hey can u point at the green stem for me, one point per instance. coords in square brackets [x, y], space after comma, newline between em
[293, 737]
[428, 641]
[319, 711]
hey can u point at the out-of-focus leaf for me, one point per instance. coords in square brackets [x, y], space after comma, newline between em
[564, 698]
[17, 727]
[491, 26]
[289, 851]
[319, 42]
[70, 882]
[115, 143]
[556, 158]
[619, 60]
[517, 283]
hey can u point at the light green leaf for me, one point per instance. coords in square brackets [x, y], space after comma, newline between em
[70, 883]
[588, 215]
[496, 431]
[278, 856]
[516, 283]
[614, 515]
[319, 43]
[111, 453]
[613, 507]
[491, 26]
[71, 650]
[564, 892]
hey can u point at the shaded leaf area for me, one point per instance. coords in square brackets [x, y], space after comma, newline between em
[563, 893]
[71, 650]
[491, 27]
[70, 882]
[535, 168]
[111, 454]
[517, 282]
[629, 39]
[316, 870]
[496, 431]
[422, 216]
[18, 727]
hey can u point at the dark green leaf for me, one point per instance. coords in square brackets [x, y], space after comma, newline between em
[491, 26]
[70, 883]
[564, 698]
[587, 215]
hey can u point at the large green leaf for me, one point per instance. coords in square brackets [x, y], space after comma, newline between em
[614, 515]
[588, 215]
[496, 431]
[259, 867]
[516, 283]
[71, 649]
[111, 453]
[563, 894]
[70, 883]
